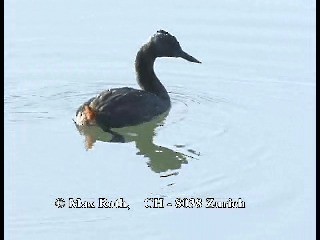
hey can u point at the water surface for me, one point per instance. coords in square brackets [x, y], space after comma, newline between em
[242, 124]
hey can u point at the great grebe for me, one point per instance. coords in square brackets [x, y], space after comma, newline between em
[121, 107]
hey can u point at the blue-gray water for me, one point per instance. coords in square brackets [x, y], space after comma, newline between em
[242, 124]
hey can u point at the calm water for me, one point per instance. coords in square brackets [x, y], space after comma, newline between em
[242, 124]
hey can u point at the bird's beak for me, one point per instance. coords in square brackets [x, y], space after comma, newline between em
[187, 57]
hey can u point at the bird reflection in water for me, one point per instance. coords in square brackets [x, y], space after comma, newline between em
[161, 159]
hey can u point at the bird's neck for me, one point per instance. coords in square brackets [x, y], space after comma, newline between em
[146, 76]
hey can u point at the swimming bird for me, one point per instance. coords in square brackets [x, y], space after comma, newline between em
[121, 107]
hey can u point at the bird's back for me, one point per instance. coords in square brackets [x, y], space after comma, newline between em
[120, 107]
